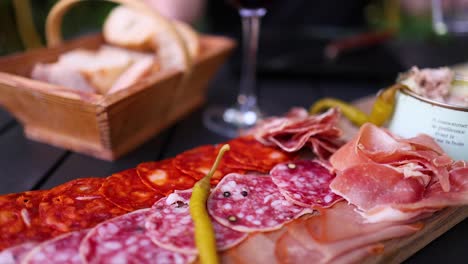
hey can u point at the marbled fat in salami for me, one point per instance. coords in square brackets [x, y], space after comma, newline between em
[16, 254]
[171, 226]
[305, 183]
[250, 203]
[19, 219]
[164, 177]
[123, 240]
[76, 205]
[248, 154]
[126, 190]
[60, 250]
[197, 163]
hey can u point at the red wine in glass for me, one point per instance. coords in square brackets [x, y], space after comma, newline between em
[245, 113]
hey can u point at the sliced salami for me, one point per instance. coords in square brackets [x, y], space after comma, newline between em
[305, 183]
[60, 250]
[126, 190]
[171, 226]
[248, 154]
[164, 177]
[250, 203]
[198, 161]
[16, 254]
[19, 219]
[123, 240]
[76, 205]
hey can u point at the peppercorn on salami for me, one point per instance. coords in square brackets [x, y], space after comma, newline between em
[250, 203]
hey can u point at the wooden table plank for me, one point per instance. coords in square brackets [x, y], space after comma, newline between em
[23, 162]
[80, 166]
[6, 120]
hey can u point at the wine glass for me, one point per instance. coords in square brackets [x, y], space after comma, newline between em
[229, 121]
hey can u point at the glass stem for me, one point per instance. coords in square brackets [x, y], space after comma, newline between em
[247, 99]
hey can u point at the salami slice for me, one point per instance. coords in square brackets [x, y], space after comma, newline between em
[198, 161]
[250, 203]
[62, 249]
[171, 226]
[76, 205]
[305, 183]
[164, 177]
[123, 240]
[248, 154]
[19, 219]
[16, 254]
[126, 190]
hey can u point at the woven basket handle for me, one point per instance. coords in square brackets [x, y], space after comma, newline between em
[55, 17]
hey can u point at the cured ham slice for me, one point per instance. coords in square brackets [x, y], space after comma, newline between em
[298, 129]
[336, 235]
[392, 179]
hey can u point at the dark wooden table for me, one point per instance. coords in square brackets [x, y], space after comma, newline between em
[28, 165]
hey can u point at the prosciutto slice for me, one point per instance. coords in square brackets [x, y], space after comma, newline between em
[335, 235]
[391, 179]
[298, 129]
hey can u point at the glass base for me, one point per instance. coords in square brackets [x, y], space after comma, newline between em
[230, 122]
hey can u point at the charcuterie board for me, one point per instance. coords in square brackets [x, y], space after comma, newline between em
[254, 183]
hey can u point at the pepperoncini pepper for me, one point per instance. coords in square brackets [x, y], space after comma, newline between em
[204, 233]
[380, 113]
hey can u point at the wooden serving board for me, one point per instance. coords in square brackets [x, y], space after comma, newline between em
[398, 250]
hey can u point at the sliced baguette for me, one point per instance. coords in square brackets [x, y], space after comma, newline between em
[164, 37]
[129, 29]
[62, 76]
[101, 69]
[190, 38]
[140, 69]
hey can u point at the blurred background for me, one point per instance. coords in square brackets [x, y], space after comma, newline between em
[300, 38]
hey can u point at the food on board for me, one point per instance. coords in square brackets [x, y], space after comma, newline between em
[390, 178]
[62, 249]
[251, 203]
[164, 177]
[205, 232]
[76, 205]
[17, 253]
[269, 206]
[305, 183]
[123, 240]
[298, 129]
[126, 190]
[171, 226]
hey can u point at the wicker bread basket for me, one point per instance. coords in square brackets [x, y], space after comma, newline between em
[106, 126]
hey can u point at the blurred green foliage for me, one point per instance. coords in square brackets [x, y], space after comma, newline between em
[84, 18]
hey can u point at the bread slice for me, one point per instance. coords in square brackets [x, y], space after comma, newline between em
[127, 28]
[139, 70]
[62, 76]
[189, 36]
[101, 69]
[162, 35]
